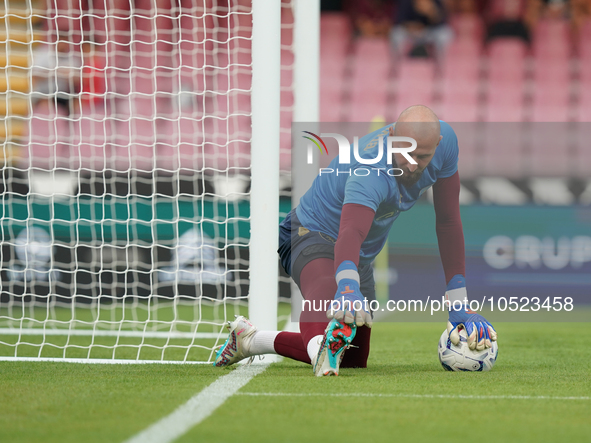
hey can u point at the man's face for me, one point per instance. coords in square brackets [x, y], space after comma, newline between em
[423, 154]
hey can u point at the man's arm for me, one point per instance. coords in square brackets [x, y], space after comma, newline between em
[356, 221]
[450, 237]
[450, 234]
[349, 306]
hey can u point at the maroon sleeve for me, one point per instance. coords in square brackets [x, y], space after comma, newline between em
[356, 221]
[450, 234]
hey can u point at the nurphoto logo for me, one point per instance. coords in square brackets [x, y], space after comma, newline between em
[392, 147]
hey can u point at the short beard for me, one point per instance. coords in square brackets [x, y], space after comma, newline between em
[407, 179]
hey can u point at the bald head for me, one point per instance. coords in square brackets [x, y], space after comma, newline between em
[420, 123]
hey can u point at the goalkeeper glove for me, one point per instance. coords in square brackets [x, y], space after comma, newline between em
[349, 305]
[479, 331]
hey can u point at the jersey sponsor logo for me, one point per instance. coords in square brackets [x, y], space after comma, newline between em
[387, 215]
[528, 251]
[327, 237]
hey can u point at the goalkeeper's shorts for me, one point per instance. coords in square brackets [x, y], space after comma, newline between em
[298, 246]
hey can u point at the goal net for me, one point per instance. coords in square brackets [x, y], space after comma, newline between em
[126, 183]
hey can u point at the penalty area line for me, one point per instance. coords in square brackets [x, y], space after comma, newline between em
[435, 396]
[199, 407]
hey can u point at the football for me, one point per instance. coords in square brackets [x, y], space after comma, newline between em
[461, 358]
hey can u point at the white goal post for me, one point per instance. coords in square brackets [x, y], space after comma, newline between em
[142, 157]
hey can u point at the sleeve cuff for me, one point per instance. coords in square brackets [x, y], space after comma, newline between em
[347, 270]
[459, 294]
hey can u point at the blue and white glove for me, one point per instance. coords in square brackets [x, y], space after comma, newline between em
[349, 305]
[479, 331]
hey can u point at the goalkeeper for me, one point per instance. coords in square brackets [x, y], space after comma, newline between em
[328, 243]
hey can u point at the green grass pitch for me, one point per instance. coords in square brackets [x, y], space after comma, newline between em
[57, 402]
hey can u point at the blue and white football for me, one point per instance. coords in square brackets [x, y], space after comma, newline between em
[461, 358]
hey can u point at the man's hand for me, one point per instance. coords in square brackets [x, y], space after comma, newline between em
[349, 305]
[479, 331]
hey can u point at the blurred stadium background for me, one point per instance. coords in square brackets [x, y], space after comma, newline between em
[150, 76]
[126, 130]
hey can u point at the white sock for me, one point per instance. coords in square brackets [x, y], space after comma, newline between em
[314, 346]
[263, 342]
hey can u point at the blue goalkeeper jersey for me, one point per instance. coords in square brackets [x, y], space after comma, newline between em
[320, 208]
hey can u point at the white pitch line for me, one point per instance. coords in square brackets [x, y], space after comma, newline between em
[199, 407]
[442, 396]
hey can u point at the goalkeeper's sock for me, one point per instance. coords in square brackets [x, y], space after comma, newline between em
[314, 346]
[290, 344]
[263, 342]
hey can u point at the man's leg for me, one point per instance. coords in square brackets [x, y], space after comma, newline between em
[440, 37]
[290, 344]
[318, 285]
[399, 37]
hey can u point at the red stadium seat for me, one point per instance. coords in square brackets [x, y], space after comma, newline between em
[181, 142]
[461, 82]
[550, 109]
[456, 109]
[334, 25]
[584, 39]
[584, 108]
[551, 38]
[551, 91]
[333, 51]
[506, 81]
[134, 144]
[415, 84]
[502, 150]
[48, 137]
[285, 154]
[548, 151]
[90, 147]
[584, 92]
[462, 59]
[582, 160]
[372, 105]
[585, 72]
[331, 105]
[469, 148]
[467, 27]
[506, 60]
[370, 79]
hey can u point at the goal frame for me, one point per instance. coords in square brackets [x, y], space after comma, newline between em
[265, 171]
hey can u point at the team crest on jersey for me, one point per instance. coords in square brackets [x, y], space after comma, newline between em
[327, 237]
